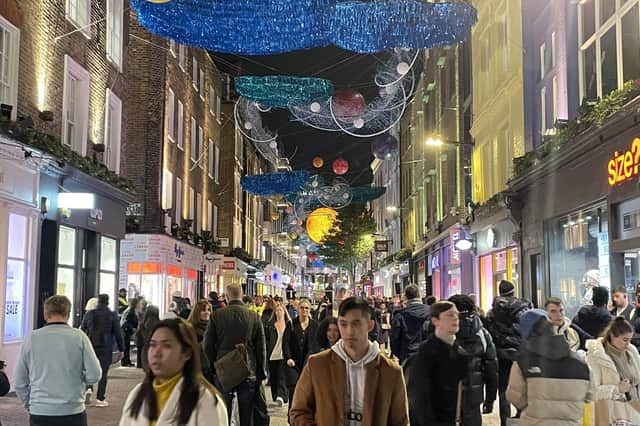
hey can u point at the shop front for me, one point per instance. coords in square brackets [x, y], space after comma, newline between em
[19, 231]
[83, 223]
[576, 239]
[496, 260]
[159, 267]
[449, 269]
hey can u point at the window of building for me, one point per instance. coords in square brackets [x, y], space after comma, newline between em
[212, 101]
[172, 48]
[200, 152]
[180, 125]
[178, 214]
[198, 212]
[215, 221]
[201, 85]
[194, 73]
[108, 268]
[218, 110]
[171, 116]
[181, 56]
[210, 159]
[194, 139]
[553, 49]
[554, 100]
[78, 12]
[75, 108]
[16, 277]
[587, 12]
[217, 164]
[543, 54]
[543, 110]
[114, 32]
[609, 62]
[112, 132]
[167, 189]
[66, 266]
[192, 202]
[607, 9]
[630, 44]
[209, 215]
[9, 48]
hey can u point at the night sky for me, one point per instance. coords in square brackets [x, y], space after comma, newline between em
[346, 70]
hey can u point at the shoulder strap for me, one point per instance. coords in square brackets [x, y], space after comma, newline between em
[459, 405]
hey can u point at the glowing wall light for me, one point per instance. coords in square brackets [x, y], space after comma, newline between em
[76, 200]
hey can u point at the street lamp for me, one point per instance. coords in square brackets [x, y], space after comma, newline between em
[438, 142]
[434, 142]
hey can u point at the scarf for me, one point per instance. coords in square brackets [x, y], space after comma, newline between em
[201, 328]
[625, 368]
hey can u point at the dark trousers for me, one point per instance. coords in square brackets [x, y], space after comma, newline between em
[472, 417]
[278, 380]
[105, 363]
[72, 420]
[260, 414]
[246, 394]
[504, 369]
[126, 359]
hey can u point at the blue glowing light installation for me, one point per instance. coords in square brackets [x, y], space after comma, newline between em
[278, 90]
[274, 183]
[259, 27]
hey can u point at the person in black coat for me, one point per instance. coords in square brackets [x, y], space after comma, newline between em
[375, 335]
[303, 342]
[481, 385]
[103, 328]
[436, 372]
[4, 381]
[129, 325]
[279, 353]
[407, 325]
[591, 320]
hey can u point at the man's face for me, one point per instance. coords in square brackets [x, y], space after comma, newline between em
[354, 329]
[556, 314]
[448, 322]
[619, 300]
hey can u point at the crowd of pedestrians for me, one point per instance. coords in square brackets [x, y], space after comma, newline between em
[419, 362]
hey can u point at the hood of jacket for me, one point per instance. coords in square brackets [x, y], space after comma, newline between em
[356, 372]
[564, 327]
[590, 313]
[551, 347]
[417, 311]
[597, 354]
[470, 325]
[508, 308]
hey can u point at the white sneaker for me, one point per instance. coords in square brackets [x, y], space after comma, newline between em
[279, 401]
[102, 403]
[87, 397]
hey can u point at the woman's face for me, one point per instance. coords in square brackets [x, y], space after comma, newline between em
[621, 342]
[304, 310]
[279, 313]
[333, 334]
[166, 355]
[205, 314]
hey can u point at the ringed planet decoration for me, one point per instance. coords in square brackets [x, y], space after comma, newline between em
[384, 146]
[348, 104]
[340, 166]
[278, 91]
[276, 26]
[319, 223]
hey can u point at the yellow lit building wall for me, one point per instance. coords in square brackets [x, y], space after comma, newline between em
[498, 95]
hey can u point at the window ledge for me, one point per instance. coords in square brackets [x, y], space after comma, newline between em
[86, 31]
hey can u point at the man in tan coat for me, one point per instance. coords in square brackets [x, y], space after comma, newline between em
[351, 384]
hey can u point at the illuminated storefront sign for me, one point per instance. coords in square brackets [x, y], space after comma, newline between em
[624, 166]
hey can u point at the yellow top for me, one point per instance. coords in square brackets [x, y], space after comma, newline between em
[163, 392]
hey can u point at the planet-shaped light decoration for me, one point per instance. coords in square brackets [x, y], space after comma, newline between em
[384, 146]
[248, 125]
[293, 235]
[319, 223]
[402, 68]
[318, 162]
[340, 166]
[289, 210]
[313, 257]
[275, 216]
[358, 123]
[273, 144]
[314, 107]
[348, 104]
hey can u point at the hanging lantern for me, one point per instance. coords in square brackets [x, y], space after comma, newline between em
[348, 104]
[319, 223]
[384, 146]
[340, 166]
[275, 216]
[318, 162]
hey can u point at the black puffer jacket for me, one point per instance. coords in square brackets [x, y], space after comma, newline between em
[483, 362]
[502, 322]
[590, 322]
[407, 329]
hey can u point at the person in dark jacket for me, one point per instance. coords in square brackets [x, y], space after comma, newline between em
[103, 328]
[375, 335]
[230, 326]
[129, 325]
[436, 372]
[621, 305]
[122, 300]
[591, 320]
[549, 384]
[407, 325]
[4, 381]
[149, 321]
[481, 385]
[278, 339]
[328, 333]
[199, 319]
[502, 323]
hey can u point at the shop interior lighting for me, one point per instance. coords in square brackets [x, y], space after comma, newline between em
[76, 200]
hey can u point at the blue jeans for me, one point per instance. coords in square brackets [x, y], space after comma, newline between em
[246, 393]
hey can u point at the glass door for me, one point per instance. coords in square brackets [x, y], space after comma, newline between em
[65, 285]
[16, 284]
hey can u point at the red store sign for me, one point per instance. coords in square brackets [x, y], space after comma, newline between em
[228, 265]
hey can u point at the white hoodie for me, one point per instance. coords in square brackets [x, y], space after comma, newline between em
[356, 375]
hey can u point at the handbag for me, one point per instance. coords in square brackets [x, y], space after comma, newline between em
[610, 412]
[233, 368]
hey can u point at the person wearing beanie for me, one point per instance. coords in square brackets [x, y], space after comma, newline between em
[591, 320]
[548, 383]
[502, 322]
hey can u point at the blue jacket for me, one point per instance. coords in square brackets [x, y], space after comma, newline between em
[406, 329]
[56, 364]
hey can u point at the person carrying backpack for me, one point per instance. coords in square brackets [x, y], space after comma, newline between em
[407, 325]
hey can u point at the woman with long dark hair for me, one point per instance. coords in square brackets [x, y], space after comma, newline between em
[199, 319]
[149, 321]
[174, 392]
[328, 333]
[278, 339]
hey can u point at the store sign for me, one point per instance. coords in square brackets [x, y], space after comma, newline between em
[259, 275]
[435, 262]
[382, 246]
[455, 235]
[178, 251]
[228, 265]
[624, 166]
[76, 200]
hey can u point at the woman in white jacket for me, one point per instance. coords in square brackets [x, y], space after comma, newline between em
[174, 393]
[615, 363]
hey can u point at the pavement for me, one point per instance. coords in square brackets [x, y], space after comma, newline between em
[121, 381]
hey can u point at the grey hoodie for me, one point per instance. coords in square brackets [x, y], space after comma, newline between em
[356, 375]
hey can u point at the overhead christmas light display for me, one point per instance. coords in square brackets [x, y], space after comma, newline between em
[340, 166]
[384, 146]
[319, 223]
[276, 26]
[318, 162]
[278, 91]
[274, 183]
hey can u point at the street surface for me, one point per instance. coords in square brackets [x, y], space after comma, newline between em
[121, 381]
